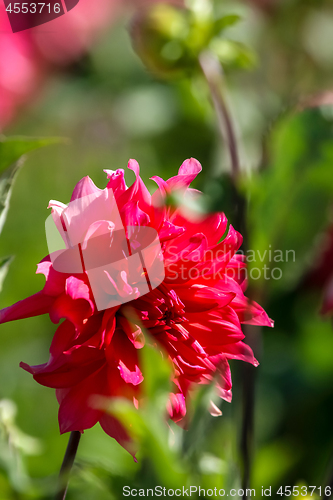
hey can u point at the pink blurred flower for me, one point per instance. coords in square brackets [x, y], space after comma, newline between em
[20, 73]
[72, 34]
[28, 57]
[194, 315]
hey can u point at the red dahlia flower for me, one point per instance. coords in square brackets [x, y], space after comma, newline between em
[194, 315]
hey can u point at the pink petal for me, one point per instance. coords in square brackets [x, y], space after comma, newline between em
[176, 406]
[116, 181]
[122, 352]
[76, 310]
[113, 428]
[137, 193]
[169, 231]
[76, 412]
[186, 174]
[240, 351]
[133, 332]
[31, 306]
[84, 187]
[133, 215]
[55, 282]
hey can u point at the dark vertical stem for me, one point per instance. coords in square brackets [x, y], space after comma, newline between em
[67, 464]
[213, 73]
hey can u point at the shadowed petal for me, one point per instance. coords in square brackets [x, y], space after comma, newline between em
[31, 306]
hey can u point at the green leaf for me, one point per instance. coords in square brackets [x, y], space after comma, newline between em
[149, 429]
[225, 22]
[12, 151]
[12, 148]
[290, 200]
[201, 420]
[4, 265]
[6, 181]
[156, 370]
[233, 54]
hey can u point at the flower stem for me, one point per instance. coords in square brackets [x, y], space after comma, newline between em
[67, 464]
[213, 73]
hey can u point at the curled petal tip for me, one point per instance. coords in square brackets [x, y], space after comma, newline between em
[214, 410]
[83, 188]
[134, 165]
[190, 166]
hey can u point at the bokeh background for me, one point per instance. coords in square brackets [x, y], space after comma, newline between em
[113, 105]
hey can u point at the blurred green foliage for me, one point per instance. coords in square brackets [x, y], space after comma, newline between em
[169, 39]
[113, 109]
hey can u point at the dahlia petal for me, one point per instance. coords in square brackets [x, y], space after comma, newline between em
[114, 429]
[225, 394]
[214, 410]
[63, 339]
[138, 191]
[223, 382]
[212, 226]
[81, 354]
[122, 352]
[84, 188]
[67, 375]
[75, 310]
[189, 359]
[133, 215]
[134, 166]
[130, 377]
[93, 205]
[77, 289]
[169, 231]
[198, 298]
[240, 351]
[215, 328]
[176, 406]
[55, 282]
[256, 315]
[57, 216]
[37, 304]
[97, 230]
[223, 253]
[194, 248]
[116, 181]
[190, 166]
[133, 332]
[187, 173]
[76, 411]
[163, 188]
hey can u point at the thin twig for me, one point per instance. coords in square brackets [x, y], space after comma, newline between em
[67, 464]
[213, 73]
